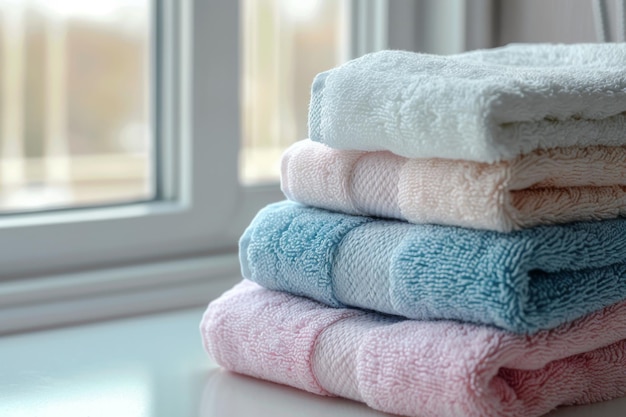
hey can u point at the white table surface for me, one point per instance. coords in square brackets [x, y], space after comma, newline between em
[154, 366]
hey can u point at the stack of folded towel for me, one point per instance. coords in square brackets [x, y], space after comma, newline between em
[453, 245]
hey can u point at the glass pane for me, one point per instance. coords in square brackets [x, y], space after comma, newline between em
[74, 103]
[285, 43]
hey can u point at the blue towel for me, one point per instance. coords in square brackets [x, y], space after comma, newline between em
[523, 281]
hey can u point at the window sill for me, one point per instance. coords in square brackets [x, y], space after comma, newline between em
[61, 300]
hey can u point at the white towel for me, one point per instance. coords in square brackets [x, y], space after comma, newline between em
[486, 105]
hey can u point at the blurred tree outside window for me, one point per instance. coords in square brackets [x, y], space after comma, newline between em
[75, 125]
[285, 43]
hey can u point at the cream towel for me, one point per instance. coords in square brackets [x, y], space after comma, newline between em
[544, 187]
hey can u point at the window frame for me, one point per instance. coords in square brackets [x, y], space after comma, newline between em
[196, 206]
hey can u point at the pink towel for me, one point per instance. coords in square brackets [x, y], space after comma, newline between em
[416, 368]
[544, 187]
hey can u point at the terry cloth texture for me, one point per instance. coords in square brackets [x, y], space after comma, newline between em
[416, 368]
[522, 281]
[485, 105]
[543, 187]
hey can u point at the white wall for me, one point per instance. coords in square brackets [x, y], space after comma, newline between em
[436, 26]
[566, 21]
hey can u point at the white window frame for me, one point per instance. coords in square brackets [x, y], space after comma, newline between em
[179, 250]
[200, 189]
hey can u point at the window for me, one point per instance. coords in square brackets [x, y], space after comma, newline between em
[181, 209]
